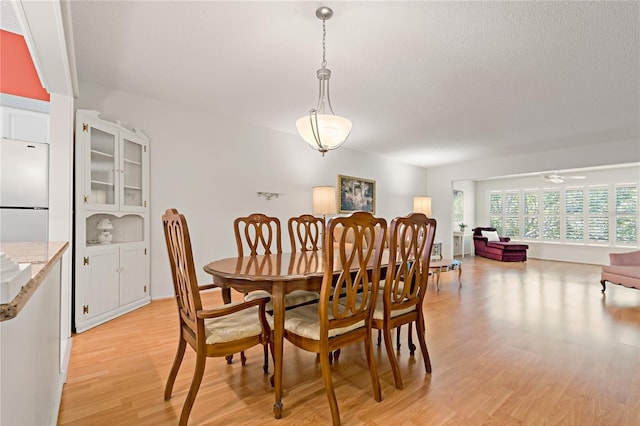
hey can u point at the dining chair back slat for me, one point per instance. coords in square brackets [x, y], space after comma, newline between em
[262, 234]
[305, 232]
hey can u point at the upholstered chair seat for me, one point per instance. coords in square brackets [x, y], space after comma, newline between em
[295, 298]
[235, 326]
[303, 321]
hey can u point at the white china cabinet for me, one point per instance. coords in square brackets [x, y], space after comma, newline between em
[111, 220]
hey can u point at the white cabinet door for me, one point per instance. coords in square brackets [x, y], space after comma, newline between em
[97, 176]
[134, 276]
[134, 172]
[24, 125]
[101, 289]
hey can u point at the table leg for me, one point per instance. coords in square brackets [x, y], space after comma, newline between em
[226, 298]
[226, 295]
[277, 298]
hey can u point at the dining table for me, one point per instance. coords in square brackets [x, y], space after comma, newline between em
[278, 274]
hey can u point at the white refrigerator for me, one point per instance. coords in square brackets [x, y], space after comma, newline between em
[24, 191]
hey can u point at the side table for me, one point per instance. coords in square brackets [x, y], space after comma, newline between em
[459, 238]
[445, 265]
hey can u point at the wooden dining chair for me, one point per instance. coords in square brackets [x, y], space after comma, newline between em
[305, 232]
[405, 285]
[260, 233]
[343, 314]
[217, 332]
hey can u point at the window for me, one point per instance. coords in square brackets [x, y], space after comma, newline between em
[599, 214]
[551, 215]
[598, 221]
[512, 214]
[626, 214]
[531, 212]
[495, 211]
[574, 214]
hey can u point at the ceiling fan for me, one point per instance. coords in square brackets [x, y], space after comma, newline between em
[557, 178]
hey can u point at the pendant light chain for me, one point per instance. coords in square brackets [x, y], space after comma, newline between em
[324, 43]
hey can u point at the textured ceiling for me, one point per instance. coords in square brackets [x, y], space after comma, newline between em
[8, 19]
[425, 83]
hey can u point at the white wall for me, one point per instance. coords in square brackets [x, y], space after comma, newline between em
[61, 206]
[210, 169]
[439, 179]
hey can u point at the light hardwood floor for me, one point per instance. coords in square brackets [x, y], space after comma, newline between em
[520, 343]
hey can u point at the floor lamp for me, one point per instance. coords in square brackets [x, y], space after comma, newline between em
[422, 205]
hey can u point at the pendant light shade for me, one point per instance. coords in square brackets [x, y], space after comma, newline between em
[324, 132]
[321, 128]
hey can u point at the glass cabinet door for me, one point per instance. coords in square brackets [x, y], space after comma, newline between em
[134, 165]
[103, 176]
[132, 172]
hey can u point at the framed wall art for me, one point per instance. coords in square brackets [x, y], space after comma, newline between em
[356, 194]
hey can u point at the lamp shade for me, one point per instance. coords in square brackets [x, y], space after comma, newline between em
[422, 205]
[330, 130]
[324, 200]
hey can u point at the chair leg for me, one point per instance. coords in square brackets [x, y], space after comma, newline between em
[328, 385]
[398, 337]
[182, 344]
[272, 378]
[423, 344]
[395, 368]
[379, 337]
[193, 390]
[412, 347]
[243, 358]
[373, 371]
[604, 286]
[265, 367]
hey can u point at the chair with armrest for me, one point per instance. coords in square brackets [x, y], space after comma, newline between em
[488, 244]
[216, 332]
[344, 312]
[401, 299]
[623, 269]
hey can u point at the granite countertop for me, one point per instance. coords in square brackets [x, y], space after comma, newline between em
[42, 257]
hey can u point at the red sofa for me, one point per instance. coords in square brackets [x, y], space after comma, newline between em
[502, 250]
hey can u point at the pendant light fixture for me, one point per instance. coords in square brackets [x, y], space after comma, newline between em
[322, 129]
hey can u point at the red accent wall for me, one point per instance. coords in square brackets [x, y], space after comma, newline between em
[18, 75]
